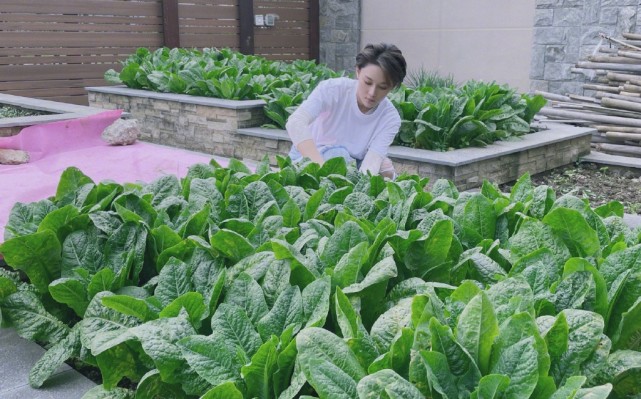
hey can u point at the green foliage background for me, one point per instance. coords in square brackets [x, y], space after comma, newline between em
[436, 113]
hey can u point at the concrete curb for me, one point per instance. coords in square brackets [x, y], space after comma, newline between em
[17, 357]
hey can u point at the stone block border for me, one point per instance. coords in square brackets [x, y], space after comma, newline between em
[502, 162]
[202, 124]
[58, 112]
[231, 129]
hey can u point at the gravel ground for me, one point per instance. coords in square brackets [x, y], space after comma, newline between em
[599, 184]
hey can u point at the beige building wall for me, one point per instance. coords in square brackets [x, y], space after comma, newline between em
[486, 40]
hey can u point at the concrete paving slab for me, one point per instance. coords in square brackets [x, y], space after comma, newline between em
[612, 160]
[181, 98]
[17, 357]
[58, 111]
[66, 385]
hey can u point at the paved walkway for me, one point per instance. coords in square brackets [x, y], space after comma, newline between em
[17, 355]
[613, 160]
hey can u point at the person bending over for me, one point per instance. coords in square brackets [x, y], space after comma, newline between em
[352, 118]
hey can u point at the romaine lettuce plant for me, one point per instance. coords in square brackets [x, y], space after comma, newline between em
[473, 114]
[318, 281]
[223, 73]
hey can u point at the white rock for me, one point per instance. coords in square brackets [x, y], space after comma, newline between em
[13, 157]
[121, 132]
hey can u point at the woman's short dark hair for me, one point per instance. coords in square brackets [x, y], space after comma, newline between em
[388, 57]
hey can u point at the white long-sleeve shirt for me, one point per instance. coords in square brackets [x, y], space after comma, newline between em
[330, 116]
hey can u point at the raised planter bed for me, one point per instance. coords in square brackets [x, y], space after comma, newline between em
[56, 111]
[196, 123]
[504, 161]
[230, 128]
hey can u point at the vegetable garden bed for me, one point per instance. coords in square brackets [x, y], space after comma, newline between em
[47, 111]
[504, 161]
[322, 281]
[230, 128]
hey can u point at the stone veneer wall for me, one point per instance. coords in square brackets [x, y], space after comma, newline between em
[504, 168]
[182, 122]
[502, 162]
[567, 31]
[340, 31]
[230, 129]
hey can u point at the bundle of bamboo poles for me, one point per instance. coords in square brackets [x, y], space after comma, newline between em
[611, 102]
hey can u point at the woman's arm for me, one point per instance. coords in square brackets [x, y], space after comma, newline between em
[372, 162]
[308, 149]
[298, 130]
[383, 138]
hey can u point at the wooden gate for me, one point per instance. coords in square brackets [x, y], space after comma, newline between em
[53, 49]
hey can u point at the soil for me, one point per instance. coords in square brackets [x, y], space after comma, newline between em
[597, 183]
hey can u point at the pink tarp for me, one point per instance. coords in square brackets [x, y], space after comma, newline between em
[53, 147]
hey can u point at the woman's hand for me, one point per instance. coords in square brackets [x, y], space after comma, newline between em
[308, 149]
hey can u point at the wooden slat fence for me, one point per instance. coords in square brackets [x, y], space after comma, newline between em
[209, 23]
[53, 49]
[289, 39]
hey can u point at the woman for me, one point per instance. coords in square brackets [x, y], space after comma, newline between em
[350, 118]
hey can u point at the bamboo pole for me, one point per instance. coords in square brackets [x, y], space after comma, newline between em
[613, 128]
[615, 59]
[634, 99]
[610, 89]
[617, 149]
[615, 120]
[552, 96]
[623, 77]
[629, 54]
[599, 139]
[608, 66]
[612, 111]
[574, 121]
[608, 50]
[620, 104]
[586, 99]
[631, 36]
[634, 43]
[623, 136]
[589, 73]
[631, 88]
[621, 42]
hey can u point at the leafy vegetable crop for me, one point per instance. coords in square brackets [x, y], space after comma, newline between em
[322, 282]
[436, 118]
[473, 114]
[223, 73]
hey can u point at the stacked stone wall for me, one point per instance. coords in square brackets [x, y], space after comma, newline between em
[340, 31]
[567, 31]
[208, 129]
[502, 169]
